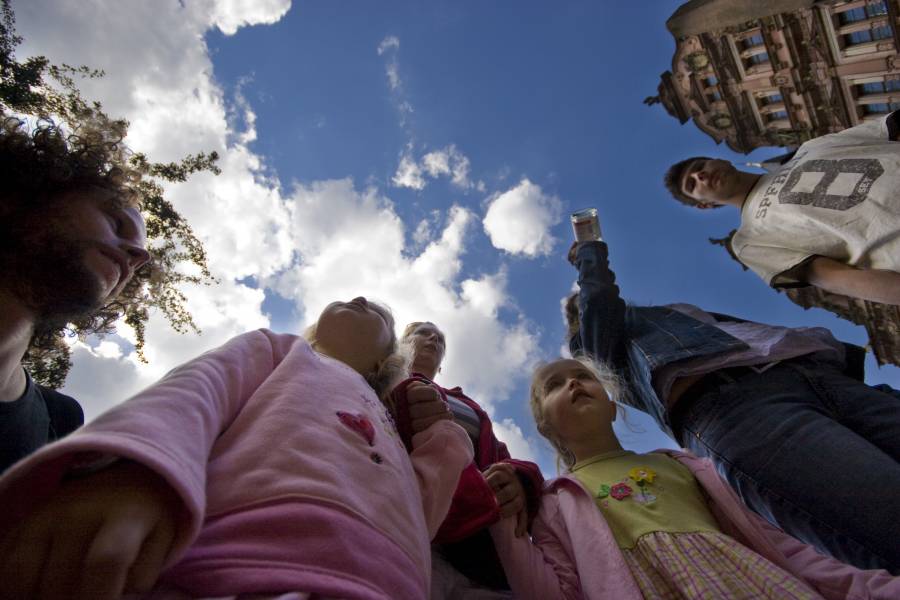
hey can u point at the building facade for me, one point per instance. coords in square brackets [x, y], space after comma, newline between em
[755, 73]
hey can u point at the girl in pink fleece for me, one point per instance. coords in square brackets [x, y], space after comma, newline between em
[267, 467]
[659, 525]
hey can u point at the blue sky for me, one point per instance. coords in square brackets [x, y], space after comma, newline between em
[512, 107]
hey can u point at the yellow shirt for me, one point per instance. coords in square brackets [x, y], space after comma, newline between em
[644, 493]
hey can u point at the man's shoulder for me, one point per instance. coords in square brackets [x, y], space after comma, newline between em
[66, 414]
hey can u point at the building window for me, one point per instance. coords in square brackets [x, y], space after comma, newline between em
[878, 87]
[754, 40]
[757, 59]
[773, 99]
[867, 35]
[880, 108]
[869, 11]
[778, 115]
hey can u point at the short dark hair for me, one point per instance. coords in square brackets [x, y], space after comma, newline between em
[674, 176]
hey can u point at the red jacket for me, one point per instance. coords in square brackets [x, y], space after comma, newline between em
[474, 506]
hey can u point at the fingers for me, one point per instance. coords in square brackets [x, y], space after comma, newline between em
[572, 251]
[419, 392]
[151, 559]
[426, 407]
[109, 559]
[521, 522]
[507, 488]
[61, 570]
[511, 505]
[419, 425]
[499, 474]
[24, 554]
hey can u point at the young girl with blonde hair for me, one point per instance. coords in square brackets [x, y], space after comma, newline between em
[659, 525]
[269, 467]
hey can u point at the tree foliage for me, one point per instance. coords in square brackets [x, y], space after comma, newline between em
[38, 90]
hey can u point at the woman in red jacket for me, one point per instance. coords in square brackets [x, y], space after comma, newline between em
[493, 486]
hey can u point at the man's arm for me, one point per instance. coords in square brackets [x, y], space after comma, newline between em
[874, 285]
[601, 308]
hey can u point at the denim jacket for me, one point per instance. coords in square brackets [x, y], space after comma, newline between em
[637, 340]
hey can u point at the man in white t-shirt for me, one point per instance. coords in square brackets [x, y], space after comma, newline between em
[829, 217]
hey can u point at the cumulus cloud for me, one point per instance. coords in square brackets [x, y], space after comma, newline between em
[364, 252]
[409, 174]
[518, 445]
[446, 162]
[316, 242]
[519, 220]
[231, 15]
[159, 76]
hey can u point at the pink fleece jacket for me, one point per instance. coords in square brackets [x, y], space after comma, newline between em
[291, 471]
[573, 553]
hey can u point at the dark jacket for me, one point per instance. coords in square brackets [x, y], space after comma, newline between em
[637, 340]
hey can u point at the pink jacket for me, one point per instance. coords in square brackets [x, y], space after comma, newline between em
[291, 471]
[574, 554]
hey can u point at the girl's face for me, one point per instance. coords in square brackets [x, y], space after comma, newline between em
[357, 333]
[575, 405]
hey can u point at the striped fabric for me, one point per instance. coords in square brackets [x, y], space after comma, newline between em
[466, 418]
[708, 566]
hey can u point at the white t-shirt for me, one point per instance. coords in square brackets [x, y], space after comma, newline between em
[839, 197]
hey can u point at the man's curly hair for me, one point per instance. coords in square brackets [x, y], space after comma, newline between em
[673, 177]
[40, 165]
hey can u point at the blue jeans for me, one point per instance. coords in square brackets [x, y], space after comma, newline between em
[814, 452]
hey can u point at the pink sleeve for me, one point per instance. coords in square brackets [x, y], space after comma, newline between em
[831, 578]
[439, 455]
[169, 427]
[539, 568]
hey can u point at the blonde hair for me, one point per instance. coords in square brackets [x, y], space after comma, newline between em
[392, 369]
[411, 329]
[613, 384]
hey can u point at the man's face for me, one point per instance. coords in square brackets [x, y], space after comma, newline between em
[710, 181]
[78, 254]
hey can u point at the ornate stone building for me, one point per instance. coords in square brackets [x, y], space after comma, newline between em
[755, 73]
[758, 73]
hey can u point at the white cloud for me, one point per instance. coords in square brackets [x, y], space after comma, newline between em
[388, 43]
[422, 233]
[409, 173]
[231, 15]
[519, 220]
[324, 240]
[159, 76]
[392, 68]
[363, 251]
[445, 162]
[510, 434]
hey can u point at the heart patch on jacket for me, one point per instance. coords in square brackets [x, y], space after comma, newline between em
[360, 424]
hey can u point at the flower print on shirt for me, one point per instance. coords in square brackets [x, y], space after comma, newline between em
[620, 491]
[643, 476]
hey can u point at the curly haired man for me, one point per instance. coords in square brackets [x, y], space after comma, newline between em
[829, 217]
[71, 240]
